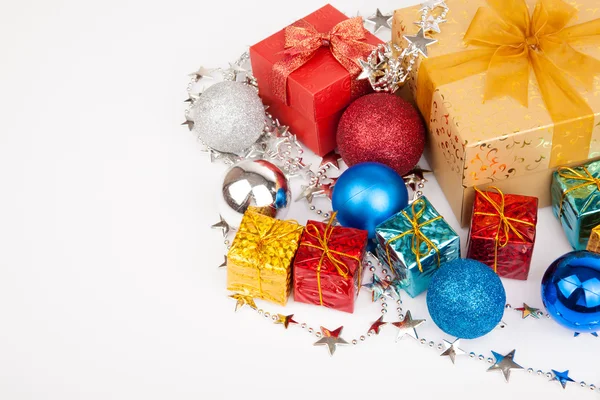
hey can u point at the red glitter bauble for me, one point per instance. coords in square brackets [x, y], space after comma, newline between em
[382, 128]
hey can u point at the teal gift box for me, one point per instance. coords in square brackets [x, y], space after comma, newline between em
[414, 243]
[576, 201]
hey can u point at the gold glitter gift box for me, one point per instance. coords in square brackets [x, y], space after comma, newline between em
[259, 263]
[594, 242]
[508, 93]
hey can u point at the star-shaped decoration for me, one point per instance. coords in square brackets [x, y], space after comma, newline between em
[504, 364]
[381, 287]
[310, 192]
[380, 21]
[452, 350]
[331, 339]
[224, 226]
[419, 42]
[285, 320]
[371, 71]
[431, 24]
[332, 158]
[408, 326]
[327, 188]
[562, 377]
[376, 326]
[224, 264]
[432, 4]
[192, 97]
[527, 311]
[257, 150]
[189, 123]
[201, 73]
[282, 131]
[243, 300]
[227, 158]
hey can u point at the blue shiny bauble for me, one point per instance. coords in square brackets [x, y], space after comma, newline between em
[571, 291]
[367, 194]
[466, 299]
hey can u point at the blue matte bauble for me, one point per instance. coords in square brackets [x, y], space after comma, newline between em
[367, 194]
[466, 299]
[571, 291]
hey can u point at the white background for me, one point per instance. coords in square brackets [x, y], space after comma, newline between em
[108, 280]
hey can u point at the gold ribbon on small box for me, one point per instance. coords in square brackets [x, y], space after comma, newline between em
[418, 237]
[505, 225]
[268, 232]
[509, 43]
[585, 178]
[329, 254]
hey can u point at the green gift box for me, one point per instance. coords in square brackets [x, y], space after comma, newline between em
[576, 201]
[414, 243]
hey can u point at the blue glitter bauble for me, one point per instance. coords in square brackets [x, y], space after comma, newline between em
[571, 291]
[466, 299]
[367, 194]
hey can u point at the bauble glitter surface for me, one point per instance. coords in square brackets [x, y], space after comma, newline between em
[228, 117]
[382, 128]
[466, 299]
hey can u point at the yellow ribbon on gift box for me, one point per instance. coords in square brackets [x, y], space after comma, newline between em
[327, 253]
[511, 41]
[584, 179]
[417, 236]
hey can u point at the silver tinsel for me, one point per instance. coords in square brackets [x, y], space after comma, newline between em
[228, 117]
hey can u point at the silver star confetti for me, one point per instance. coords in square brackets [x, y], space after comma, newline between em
[201, 73]
[504, 364]
[331, 339]
[224, 264]
[408, 326]
[452, 350]
[310, 192]
[224, 226]
[419, 42]
[380, 20]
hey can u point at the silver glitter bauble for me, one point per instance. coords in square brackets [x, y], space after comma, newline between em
[255, 183]
[228, 117]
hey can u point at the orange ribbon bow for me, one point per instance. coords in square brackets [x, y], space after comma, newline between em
[302, 40]
[329, 254]
[505, 225]
[511, 41]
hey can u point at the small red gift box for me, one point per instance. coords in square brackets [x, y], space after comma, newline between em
[502, 232]
[307, 73]
[328, 265]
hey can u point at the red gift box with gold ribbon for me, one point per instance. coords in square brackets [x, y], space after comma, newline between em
[328, 265]
[307, 73]
[503, 231]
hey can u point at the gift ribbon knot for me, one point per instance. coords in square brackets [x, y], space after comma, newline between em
[329, 254]
[509, 43]
[586, 179]
[418, 237]
[345, 41]
[505, 225]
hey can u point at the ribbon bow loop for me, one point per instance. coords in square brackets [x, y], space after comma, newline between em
[346, 41]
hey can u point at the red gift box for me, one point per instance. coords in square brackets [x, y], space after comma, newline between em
[328, 265]
[502, 232]
[311, 99]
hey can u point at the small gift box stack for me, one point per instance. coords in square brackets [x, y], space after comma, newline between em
[328, 265]
[502, 233]
[415, 243]
[259, 262]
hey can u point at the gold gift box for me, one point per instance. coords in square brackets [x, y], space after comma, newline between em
[497, 142]
[594, 242]
[259, 262]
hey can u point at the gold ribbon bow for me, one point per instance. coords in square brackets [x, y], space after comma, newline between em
[265, 238]
[331, 255]
[511, 41]
[302, 40]
[418, 237]
[506, 224]
[586, 179]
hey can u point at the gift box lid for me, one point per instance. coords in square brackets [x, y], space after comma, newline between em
[499, 139]
[319, 88]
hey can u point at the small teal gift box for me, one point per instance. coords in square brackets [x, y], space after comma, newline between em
[576, 201]
[414, 243]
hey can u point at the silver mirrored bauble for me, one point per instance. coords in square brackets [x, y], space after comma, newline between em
[255, 183]
[228, 117]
